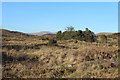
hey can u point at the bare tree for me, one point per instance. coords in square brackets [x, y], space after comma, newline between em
[70, 28]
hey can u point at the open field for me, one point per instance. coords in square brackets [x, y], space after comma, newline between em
[31, 57]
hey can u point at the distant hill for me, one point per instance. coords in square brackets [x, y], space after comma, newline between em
[43, 33]
[116, 35]
[110, 35]
[104, 33]
[50, 34]
[14, 33]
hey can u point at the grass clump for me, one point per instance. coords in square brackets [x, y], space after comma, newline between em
[52, 42]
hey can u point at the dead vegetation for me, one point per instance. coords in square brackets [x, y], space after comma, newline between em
[33, 58]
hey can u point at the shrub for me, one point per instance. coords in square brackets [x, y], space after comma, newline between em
[52, 42]
[59, 35]
[87, 35]
[103, 38]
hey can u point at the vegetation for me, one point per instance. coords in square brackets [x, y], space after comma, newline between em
[74, 56]
[103, 38]
[87, 35]
[71, 28]
[52, 42]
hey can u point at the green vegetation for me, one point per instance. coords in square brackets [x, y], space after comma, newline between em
[103, 38]
[52, 42]
[87, 35]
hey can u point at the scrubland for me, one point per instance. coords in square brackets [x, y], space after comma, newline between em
[32, 58]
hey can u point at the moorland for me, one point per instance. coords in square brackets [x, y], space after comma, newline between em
[69, 54]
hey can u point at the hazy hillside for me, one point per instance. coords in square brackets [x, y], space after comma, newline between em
[13, 33]
[104, 33]
[43, 33]
[16, 33]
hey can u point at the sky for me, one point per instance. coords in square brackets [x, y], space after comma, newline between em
[31, 17]
[60, 0]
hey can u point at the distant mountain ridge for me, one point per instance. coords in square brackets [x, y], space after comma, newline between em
[14, 33]
[21, 34]
[43, 33]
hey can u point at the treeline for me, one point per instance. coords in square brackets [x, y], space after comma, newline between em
[70, 33]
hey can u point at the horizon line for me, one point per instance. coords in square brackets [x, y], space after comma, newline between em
[52, 31]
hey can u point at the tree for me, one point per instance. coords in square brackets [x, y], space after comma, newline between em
[59, 35]
[79, 35]
[87, 29]
[71, 28]
[89, 36]
[69, 35]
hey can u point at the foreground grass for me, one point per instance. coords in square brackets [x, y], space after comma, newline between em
[33, 58]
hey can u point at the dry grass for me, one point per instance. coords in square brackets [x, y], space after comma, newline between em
[33, 58]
